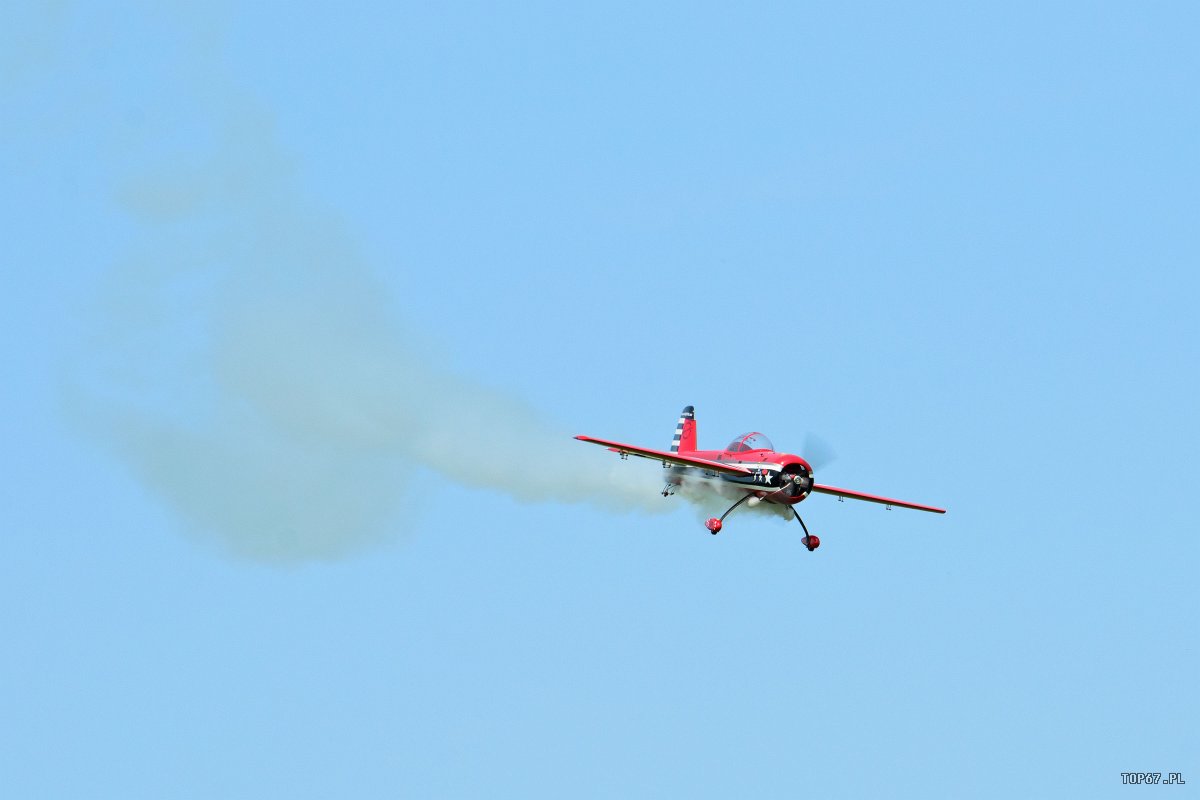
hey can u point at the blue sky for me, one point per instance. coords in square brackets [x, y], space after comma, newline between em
[302, 305]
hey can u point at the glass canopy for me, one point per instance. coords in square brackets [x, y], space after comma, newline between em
[749, 441]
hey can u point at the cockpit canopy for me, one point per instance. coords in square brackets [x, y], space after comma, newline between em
[749, 441]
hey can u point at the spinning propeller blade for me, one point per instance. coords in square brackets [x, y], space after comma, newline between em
[817, 452]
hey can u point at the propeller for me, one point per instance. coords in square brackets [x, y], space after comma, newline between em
[818, 452]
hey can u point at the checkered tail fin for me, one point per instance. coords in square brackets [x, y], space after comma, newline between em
[685, 432]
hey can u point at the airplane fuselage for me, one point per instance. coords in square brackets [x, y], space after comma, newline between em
[774, 477]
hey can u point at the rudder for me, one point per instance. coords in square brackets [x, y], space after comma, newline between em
[685, 431]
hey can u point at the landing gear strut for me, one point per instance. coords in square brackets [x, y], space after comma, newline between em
[809, 541]
[714, 524]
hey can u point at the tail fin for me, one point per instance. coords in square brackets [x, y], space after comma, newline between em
[685, 432]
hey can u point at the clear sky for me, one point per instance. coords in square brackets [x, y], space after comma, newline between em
[301, 306]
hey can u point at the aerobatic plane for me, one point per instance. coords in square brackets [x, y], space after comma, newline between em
[749, 464]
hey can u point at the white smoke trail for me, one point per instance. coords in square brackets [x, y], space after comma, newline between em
[712, 496]
[251, 370]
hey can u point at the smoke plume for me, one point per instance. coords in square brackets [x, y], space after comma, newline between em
[252, 371]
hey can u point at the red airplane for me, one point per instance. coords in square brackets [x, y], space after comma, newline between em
[749, 464]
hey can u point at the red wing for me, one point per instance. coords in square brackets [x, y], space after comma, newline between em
[870, 498]
[667, 457]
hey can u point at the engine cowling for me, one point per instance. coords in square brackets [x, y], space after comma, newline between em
[796, 481]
